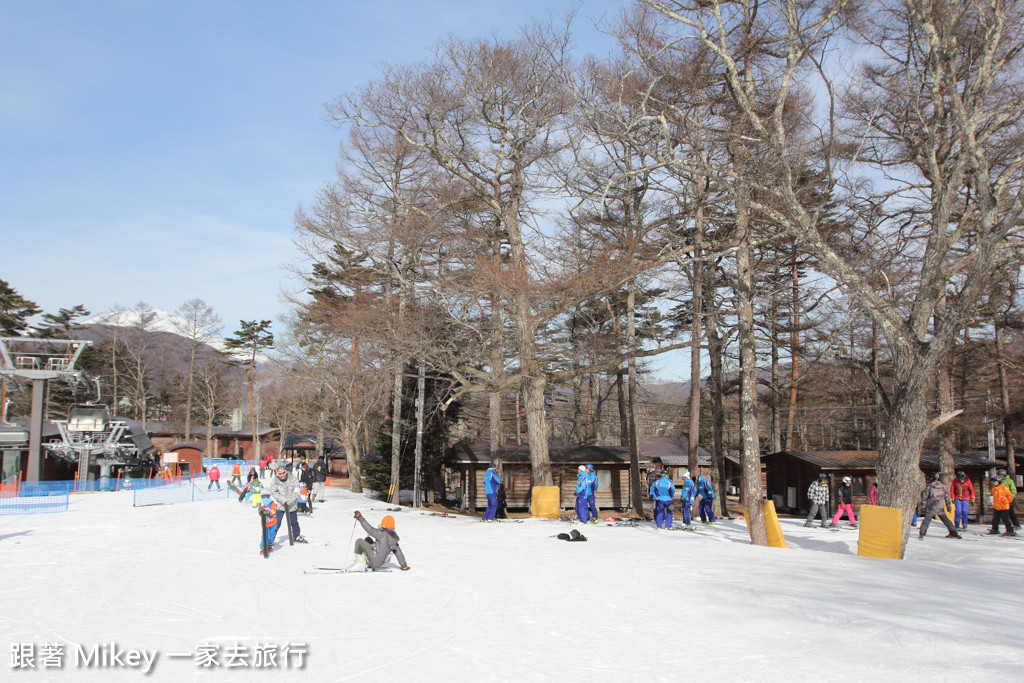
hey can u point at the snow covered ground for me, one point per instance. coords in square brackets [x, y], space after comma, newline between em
[495, 602]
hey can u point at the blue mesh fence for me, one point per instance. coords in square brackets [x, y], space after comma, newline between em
[186, 490]
[34, 499]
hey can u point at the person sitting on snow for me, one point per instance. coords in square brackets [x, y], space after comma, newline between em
[382, 542]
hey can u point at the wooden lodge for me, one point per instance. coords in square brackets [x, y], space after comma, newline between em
[611, 464]
[788, 474]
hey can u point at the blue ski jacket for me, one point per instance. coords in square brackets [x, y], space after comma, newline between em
[704, 488]
[687, 491]
[582, 485]
[592, 479]
[491, 481]
[663, 489]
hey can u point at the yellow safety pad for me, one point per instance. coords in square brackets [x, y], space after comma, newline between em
[881, 532]
[771, 525]
[544, 501]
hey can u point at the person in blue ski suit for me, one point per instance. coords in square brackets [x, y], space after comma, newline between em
[687, 494]
[491, 483]
[662, 492]
[707, 494]
[592, 495]
[582, 494]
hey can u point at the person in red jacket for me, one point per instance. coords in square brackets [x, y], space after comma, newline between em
[962, 492]
[214, 475]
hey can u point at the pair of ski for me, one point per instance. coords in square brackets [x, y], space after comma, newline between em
[287, 523]
[339, 570]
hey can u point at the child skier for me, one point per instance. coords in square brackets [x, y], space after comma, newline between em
[687, 493]
[962, 491]
[1002, 499]
[817, 493]
[707, 494]
[662, 492]
[844, 501]
[934, 501]
[384, 542]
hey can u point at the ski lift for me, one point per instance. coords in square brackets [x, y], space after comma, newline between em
[88, 418]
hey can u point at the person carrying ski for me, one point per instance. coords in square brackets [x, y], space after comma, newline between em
[214, 475]
[934, 501]
[375, 550]
[582, 492]
[662, 492]
[320, 479]
[687, 494]
[844, 502]
[592, 495]
[236, 474]
[707, 494]
[962, 491]
[283, 489]
[1007, 481]
[1002, 501]
[492, 480]
[817, 493]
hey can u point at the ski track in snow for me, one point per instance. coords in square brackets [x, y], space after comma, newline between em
[505, 602]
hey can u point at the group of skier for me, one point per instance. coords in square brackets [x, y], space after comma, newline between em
[586, 493]
[936, 500]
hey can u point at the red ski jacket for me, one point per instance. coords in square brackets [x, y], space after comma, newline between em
[962, 490]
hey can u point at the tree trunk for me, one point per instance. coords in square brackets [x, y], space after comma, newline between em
[1004, 399]
[634, 447]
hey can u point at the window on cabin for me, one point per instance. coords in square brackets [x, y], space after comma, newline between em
[604, 480]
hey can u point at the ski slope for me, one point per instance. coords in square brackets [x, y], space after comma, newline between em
[494, 602]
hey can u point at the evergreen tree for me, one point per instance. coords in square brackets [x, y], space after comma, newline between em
[15, 310]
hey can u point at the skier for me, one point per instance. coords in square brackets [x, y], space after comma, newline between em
[1002, 502]
[214, 475]
[306, 480]
[502, 512]
[284, 491]
[962, 491]
[263, 467]
[236, 474]
[320, 470]
[934, 501]
[817, 492]
[662, 492]
[687, 492]
[375, 550]
[492, 480]
[592, 496]
[582, 492]
[844, 502]
[1007, 481]
[704, 490]
[873, 493]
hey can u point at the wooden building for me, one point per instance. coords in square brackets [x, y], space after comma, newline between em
[611, 464]
[788, 474]
[227, 442]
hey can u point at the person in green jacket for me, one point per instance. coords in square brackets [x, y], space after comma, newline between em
[1007, 481]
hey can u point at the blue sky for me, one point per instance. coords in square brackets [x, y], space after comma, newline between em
[157, 150]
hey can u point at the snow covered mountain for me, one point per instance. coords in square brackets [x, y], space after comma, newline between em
[163, 321]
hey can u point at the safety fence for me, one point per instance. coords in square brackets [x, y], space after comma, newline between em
[190, 489]
[35, 499]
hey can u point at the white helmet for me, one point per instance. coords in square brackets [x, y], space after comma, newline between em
[686, 474]
[582, 468]
[847, 480]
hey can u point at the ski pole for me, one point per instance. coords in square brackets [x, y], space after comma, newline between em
[352, 535]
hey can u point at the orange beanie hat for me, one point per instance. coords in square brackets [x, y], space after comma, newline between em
[388, 522]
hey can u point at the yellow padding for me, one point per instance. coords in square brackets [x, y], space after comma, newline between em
[771, 525]
[881, 532]
[545, 501]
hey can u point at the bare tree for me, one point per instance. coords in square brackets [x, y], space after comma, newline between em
[198, 327]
